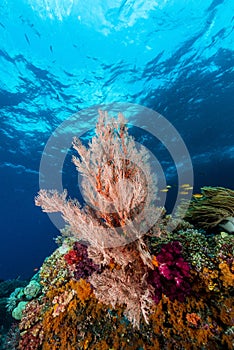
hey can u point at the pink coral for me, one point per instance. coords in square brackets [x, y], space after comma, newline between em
[120, 193]
[119, 190]
[61, 301]
[118, 287]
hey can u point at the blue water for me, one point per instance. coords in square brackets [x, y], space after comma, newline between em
[58, 57]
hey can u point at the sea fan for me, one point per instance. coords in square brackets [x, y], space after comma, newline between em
[119, 191]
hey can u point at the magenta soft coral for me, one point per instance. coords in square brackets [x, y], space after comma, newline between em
[171, 276]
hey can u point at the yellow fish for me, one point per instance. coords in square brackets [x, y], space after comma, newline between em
[197, 195]
[185, 185]
[183, 192]
[164, 190]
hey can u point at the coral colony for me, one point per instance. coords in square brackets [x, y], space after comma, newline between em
[118, 282]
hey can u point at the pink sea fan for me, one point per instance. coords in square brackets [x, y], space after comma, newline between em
[119, 288]
[120, 193]
[117, 185]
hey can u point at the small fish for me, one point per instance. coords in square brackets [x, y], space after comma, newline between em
[185, 185]
[37, 33]
[2, 25]
[168, 186]
[164, 190]
[183, 192]
[197, 195]
[36, 269]
[27, 39]
[51, 48]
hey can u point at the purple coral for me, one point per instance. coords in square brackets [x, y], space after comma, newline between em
[85, 266]
[171, 276]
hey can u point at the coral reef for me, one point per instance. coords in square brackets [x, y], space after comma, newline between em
[118, 282]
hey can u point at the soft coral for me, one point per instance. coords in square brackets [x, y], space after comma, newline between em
[171, 276]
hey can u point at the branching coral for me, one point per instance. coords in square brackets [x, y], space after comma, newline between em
[32, 333]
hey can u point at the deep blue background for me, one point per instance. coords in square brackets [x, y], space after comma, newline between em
[58, 57]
